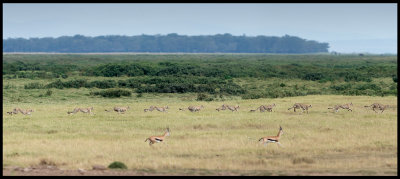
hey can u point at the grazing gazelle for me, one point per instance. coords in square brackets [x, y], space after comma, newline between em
[273, 139]
[154, 139]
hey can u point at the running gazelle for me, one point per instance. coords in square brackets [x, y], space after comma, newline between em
[151, 108]
[225, 106]
[344, 106]
[264, 108]
[24, 112]
[300, 106]
[192, 108]
[119, 109]
[161, 109]
[273, 139]
[233, 108]
[157, 139]
[84, 110]
[378, 106]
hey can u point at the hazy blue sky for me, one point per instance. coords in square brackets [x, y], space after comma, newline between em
[346, 27]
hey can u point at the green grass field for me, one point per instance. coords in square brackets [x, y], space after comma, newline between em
[321, 142]
[208, 142]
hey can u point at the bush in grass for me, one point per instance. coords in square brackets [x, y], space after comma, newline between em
[313, 76]
[34, 85]
[102, 84]
[253, 95]
[203, 97]
[112, 93]
[117, 165]
[77, 83]
[56, 84]
[49, 92]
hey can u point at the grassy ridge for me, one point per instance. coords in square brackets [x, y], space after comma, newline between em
[341, 142]
[216, 74]
[18, 90]
[210, 65]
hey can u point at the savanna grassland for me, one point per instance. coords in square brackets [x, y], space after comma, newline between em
[208, 142]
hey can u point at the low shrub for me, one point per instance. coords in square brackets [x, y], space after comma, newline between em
[203, 97]
[34, 85]
[112, 93]
[102, 84]
[117, 165]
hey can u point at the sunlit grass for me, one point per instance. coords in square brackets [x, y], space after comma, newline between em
[321, 140]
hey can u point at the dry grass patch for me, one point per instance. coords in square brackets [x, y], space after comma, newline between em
[320, 141]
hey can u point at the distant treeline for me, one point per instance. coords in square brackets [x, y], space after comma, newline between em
[223, 43]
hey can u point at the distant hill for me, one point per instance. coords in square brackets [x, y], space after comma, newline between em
[172, 43]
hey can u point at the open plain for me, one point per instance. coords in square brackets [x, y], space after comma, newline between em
[207, 142]
[50, 141]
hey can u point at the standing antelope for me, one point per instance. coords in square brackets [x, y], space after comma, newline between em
[157, 139]
[300, 106]
[344, 106]
[379, 106]
[273, 139]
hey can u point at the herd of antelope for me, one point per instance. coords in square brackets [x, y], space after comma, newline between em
[262, 108]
